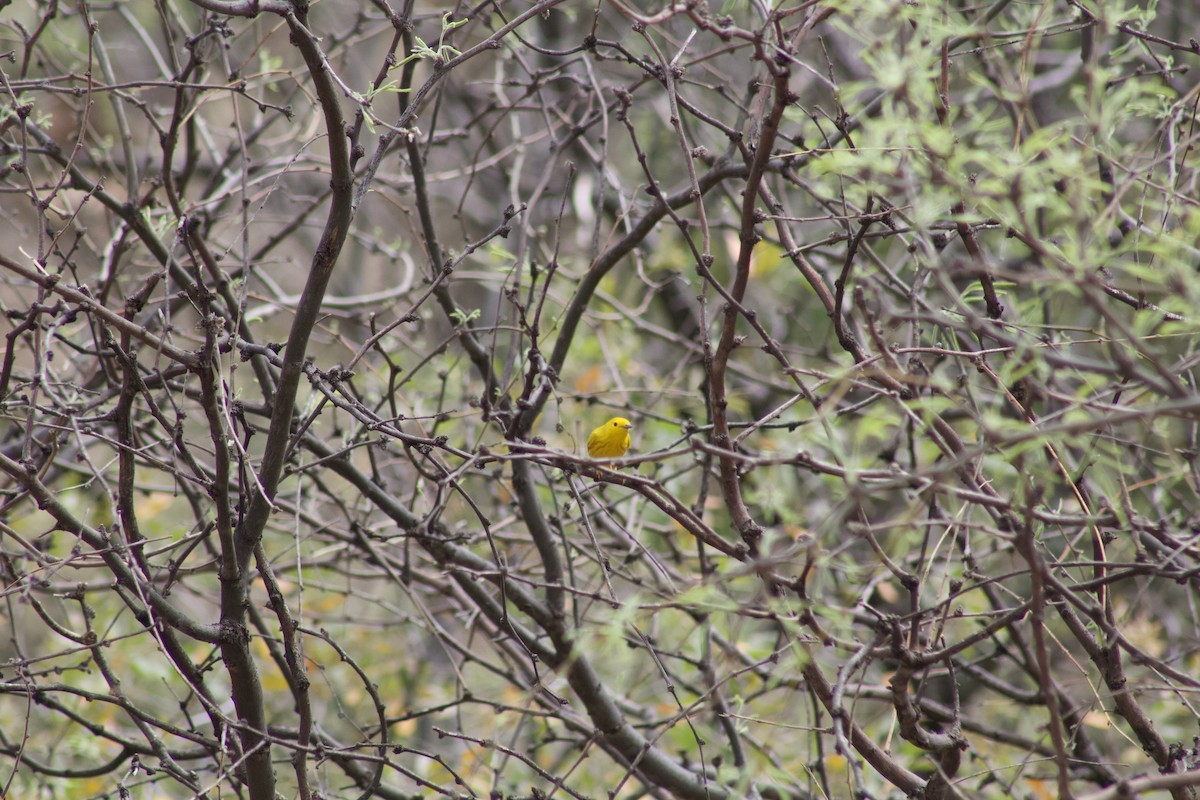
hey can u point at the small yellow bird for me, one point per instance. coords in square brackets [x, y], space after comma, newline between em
[610, 440]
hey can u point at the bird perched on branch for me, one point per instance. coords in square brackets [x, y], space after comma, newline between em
[610, 440]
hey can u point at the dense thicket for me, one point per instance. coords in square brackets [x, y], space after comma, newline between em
[309, 309]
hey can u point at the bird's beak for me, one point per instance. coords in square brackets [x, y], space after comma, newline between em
[627, 426]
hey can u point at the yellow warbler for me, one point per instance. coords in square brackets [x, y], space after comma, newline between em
[610, 440]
